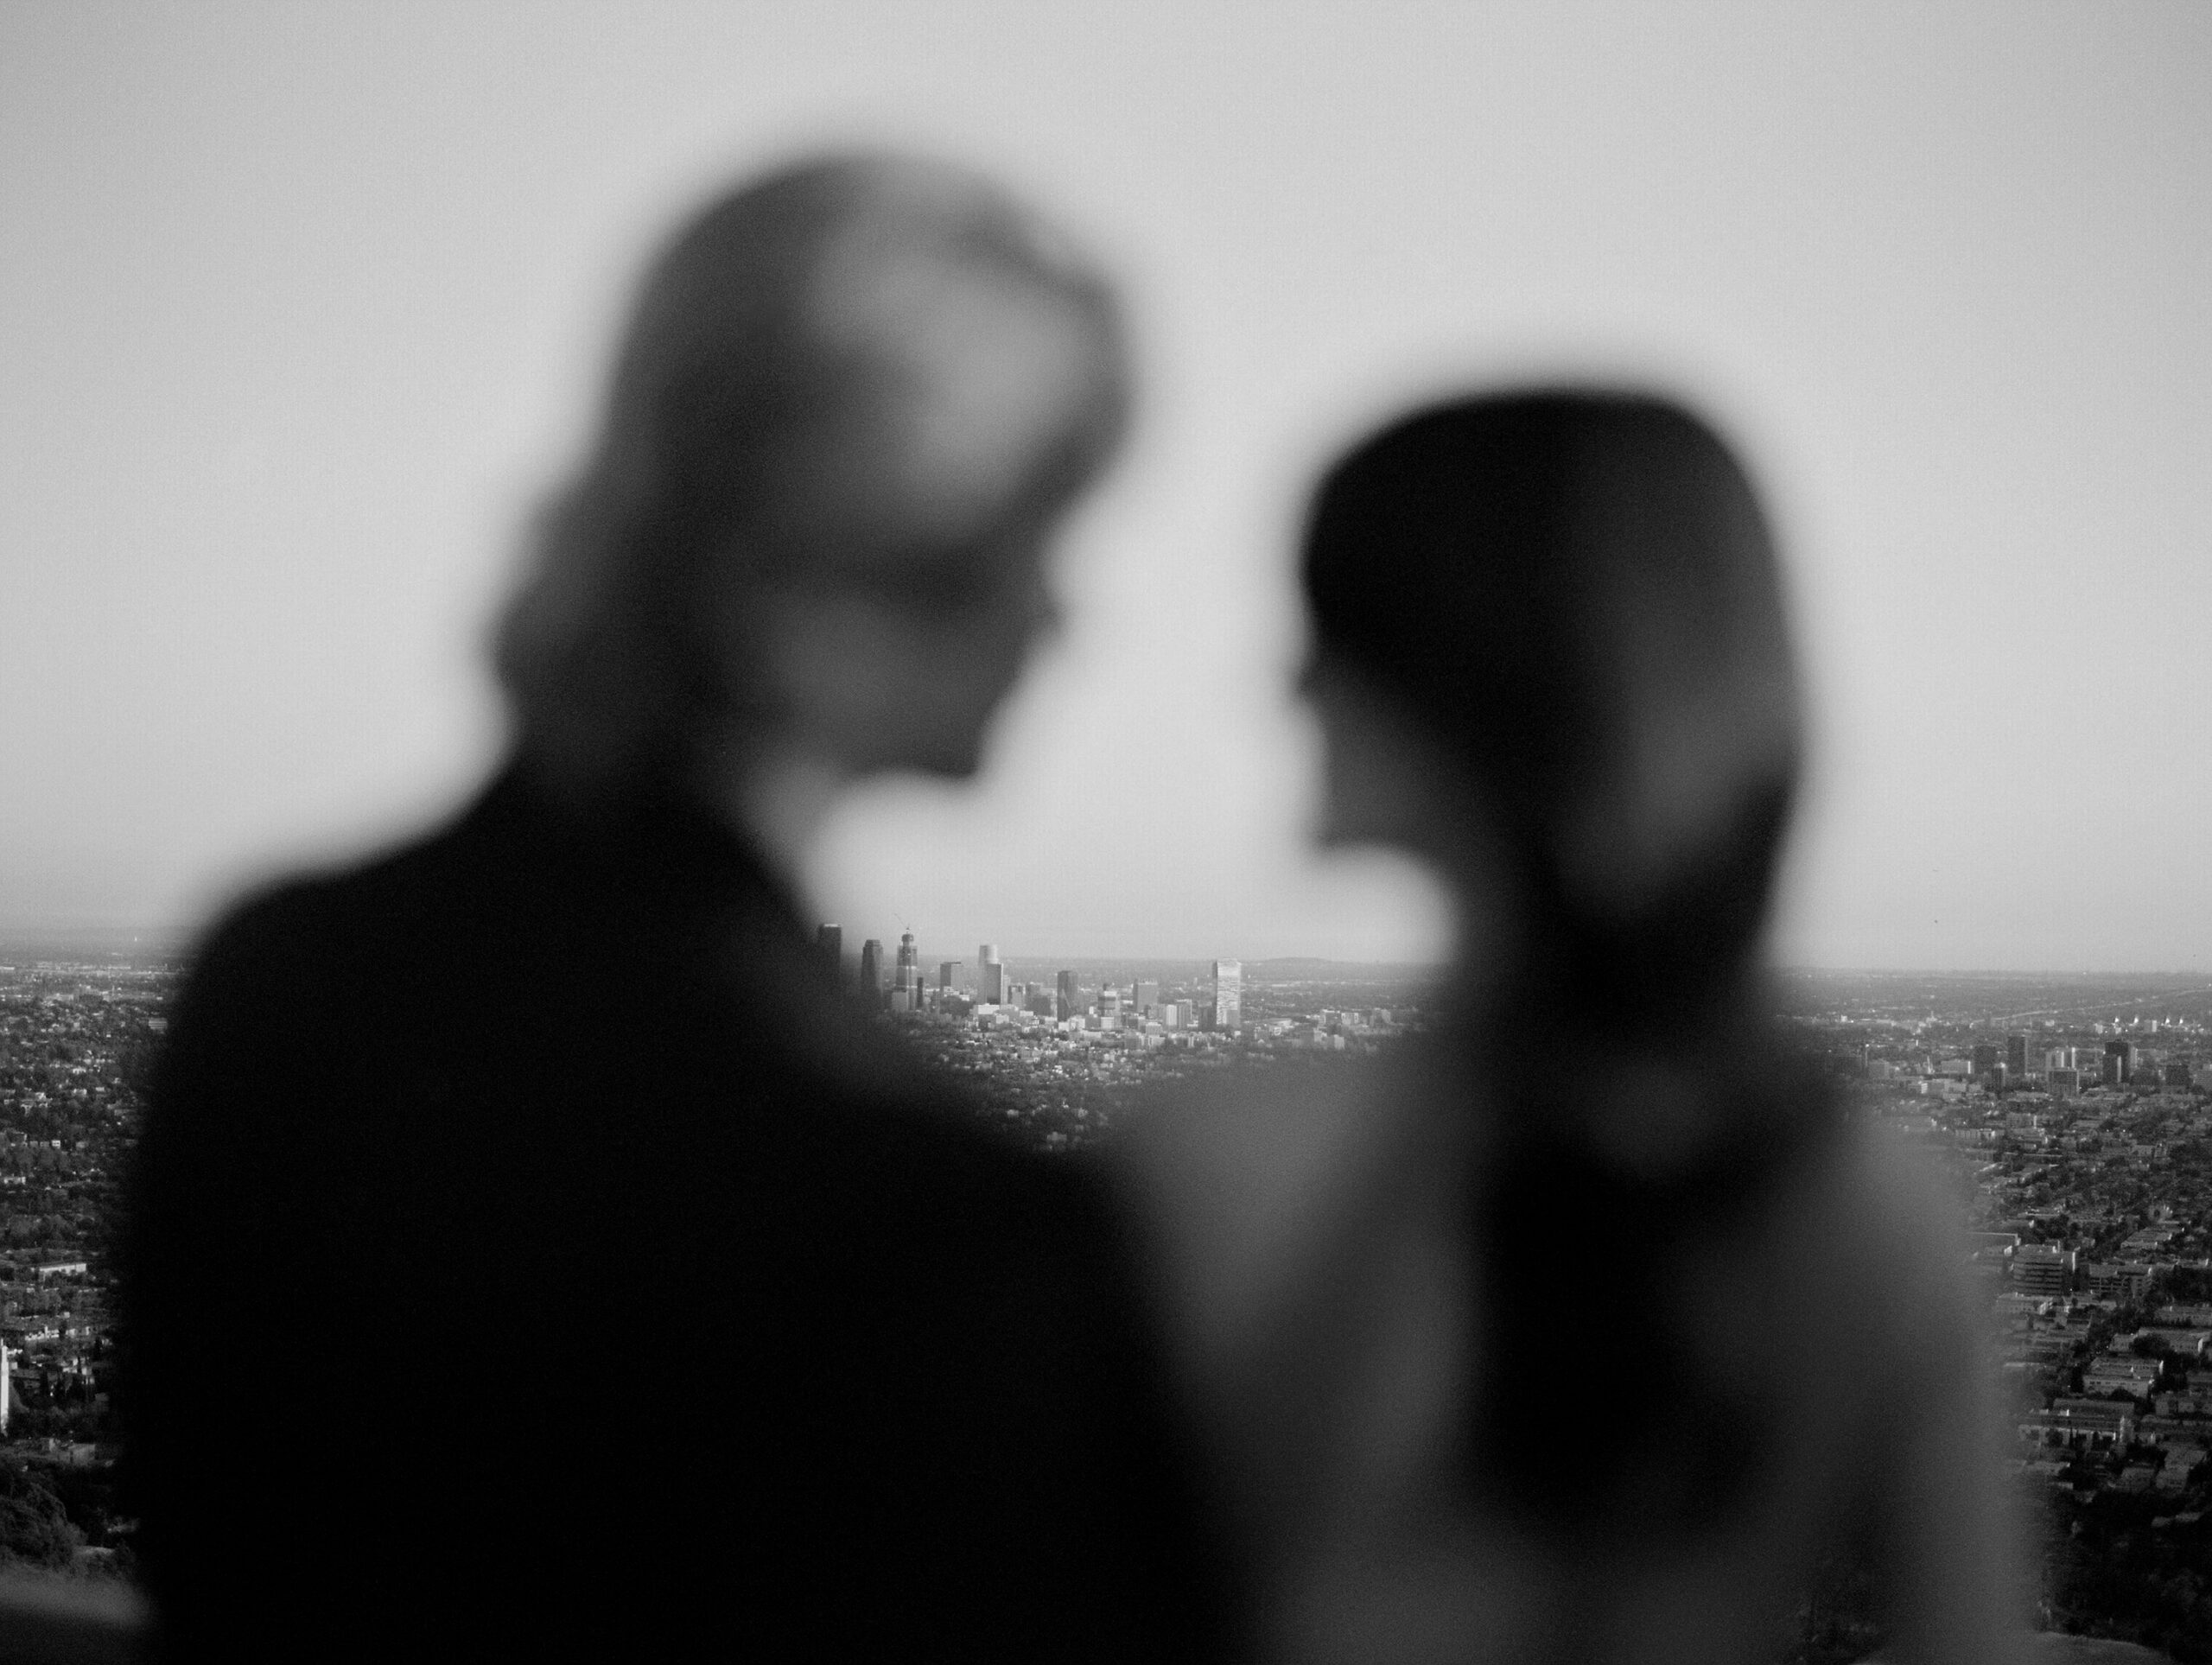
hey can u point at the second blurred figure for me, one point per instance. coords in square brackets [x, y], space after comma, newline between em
[1583, 1329]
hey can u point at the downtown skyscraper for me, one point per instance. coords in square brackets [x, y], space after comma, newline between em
[1229, 993]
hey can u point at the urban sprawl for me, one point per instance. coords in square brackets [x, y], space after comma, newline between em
[2074, 1119]
[1063, 1049]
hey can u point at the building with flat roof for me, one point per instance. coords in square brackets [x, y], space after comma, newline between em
[2118, 1279]
[2042, 1268]
[1229, 993]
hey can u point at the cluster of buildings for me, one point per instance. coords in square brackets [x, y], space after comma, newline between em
[74, 1040]
[1061, 1053]
[2125, 1408]
[906, 986]
[2022, 1061]
[2087, 1148]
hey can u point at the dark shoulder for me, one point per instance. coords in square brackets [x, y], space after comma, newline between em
[267, 950]
[286, 942]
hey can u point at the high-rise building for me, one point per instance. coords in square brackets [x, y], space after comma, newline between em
[952, 973]
[2015, 1055]
[1229, 993]
[2115, 1069]
[1146, 996]
[1069, 995]
[2124, 1052]
[908, 973]
[1109, 1007]
[990, 976]
[872, 969]
[988, 954]
[829, 943]
[1984, 1057]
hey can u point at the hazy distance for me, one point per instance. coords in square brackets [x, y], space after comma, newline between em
[302, 306]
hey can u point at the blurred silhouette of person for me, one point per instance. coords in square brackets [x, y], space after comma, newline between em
[1582, 1328]
[529, 1249]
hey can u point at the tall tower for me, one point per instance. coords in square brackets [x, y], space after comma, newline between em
[829, 943]
[990, 976]
[1229, 993]
[872, 969]
[909, 972]
[1067, 1003]
[2124, 1052]
[2016, 1056]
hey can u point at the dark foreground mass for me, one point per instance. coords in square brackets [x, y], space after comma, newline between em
[78, 1030]
[607, 1284]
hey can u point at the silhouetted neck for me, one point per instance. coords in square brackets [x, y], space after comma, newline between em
[641, 843]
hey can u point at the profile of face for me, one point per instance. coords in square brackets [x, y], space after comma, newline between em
[909, 547]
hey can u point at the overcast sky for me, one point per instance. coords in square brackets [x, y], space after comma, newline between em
[300, 304]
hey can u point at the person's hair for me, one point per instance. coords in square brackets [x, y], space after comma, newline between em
[1575, 595]
[730, 367]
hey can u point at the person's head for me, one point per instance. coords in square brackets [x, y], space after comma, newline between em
[853, 401]
[1550, 657]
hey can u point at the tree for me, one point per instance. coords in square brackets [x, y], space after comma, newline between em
[33, 1524]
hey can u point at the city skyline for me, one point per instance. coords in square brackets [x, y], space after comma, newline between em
[127, 944]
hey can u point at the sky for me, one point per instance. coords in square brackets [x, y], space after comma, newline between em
[300, 306]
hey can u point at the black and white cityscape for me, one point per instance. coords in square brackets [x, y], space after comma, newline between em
[1110, 831]
[2070, 1118]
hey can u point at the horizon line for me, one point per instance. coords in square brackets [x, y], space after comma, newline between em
[110, 940]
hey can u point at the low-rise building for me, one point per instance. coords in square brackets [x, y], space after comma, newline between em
[2091, 1422]
[2042, 1268]
[2121, 1373]
[2118, 1279]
